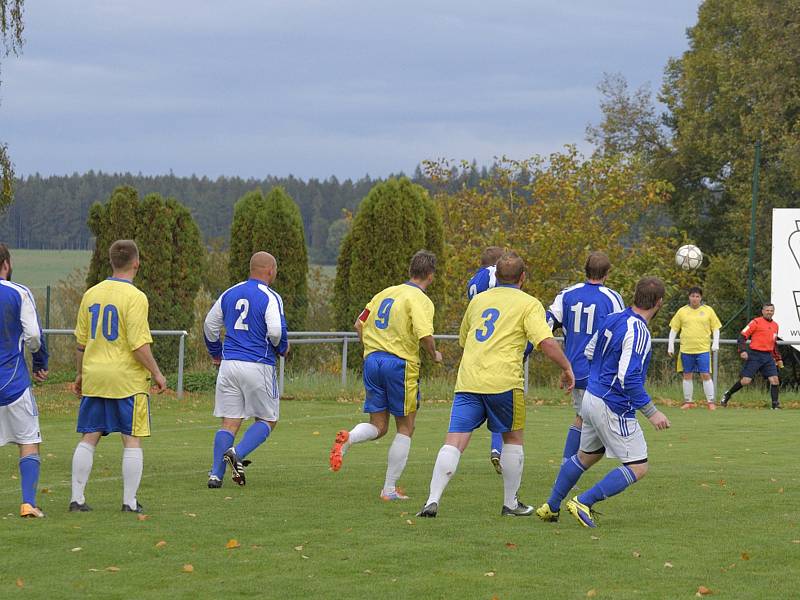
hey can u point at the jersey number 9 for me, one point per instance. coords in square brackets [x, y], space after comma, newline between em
[382, 318]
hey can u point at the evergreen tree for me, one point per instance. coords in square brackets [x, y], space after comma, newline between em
[273, 224]
[171, 257]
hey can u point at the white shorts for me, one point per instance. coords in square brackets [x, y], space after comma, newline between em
[246, 389]
[603, 428]
[577, 399]
[19, 421]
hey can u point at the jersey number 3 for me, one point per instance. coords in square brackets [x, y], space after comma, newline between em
[491, 315]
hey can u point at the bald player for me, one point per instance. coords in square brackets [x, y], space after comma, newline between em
[255, 335]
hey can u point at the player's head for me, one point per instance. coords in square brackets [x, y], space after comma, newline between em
[422, 267]
[768, 311]
[491, 255]
[5, 262]
[263, 266]
[597, 266]
[695, 296]
[649, 294]
[124, 256]
[510, 269]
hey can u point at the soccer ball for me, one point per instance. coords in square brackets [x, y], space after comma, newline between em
[688, 257]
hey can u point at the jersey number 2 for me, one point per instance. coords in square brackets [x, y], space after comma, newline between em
[244, 306]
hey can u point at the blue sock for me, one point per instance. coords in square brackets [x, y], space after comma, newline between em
[573, 442]
[497, 442]
[222, 441]
[612, 484]
[255, 435]
[29, 477]
[568, 476]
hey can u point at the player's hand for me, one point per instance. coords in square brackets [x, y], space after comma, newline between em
[567, 380]
[77, 386]
[670, 353]
[40, 375]
[780, 364]
[216, 361]
[437, 357]
[715, 347]
[659, 420]
[160, 383]
[743, 355]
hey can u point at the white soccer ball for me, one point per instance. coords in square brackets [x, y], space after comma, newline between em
[688, 257]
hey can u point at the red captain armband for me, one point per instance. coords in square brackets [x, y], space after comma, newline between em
[364, 315]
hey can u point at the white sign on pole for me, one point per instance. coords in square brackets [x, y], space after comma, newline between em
[786, 271]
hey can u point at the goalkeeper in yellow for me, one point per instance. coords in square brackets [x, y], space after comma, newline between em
[699, 327]
[495, 329]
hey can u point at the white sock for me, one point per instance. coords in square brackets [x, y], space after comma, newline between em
[687, 390]
[82, 461]
[446, 465]
[512, 460]
[398, 455]
[708, 388]
[363, 432]
[132, 463]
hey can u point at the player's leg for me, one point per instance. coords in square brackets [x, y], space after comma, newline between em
[376, 405]
[573, 441]
[624, 440]
[402, 387]
[467, 414]
[229, 407]
[91, 425]
[505, 413]
[688, 361]
[708, 390]
[134, 419]
[19, 423]
[223, 440]
[496, 451]
[397, 457]
[774, 387]
[590, 451]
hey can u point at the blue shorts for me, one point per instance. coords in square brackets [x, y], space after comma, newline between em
[504, 411]
[696, 363]
[391, 383]
[130, 415]
[759, 362]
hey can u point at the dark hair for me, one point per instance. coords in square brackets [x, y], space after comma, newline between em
[423, 263]
[5, 255]
[597, 265]
[695, 290]
[491, 255]
[766, 304]
[510, 268]
[649, 290]
[122, 254]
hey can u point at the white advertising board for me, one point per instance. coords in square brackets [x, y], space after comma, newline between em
[786, 271]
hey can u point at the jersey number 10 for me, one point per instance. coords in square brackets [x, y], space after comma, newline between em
[110, 322]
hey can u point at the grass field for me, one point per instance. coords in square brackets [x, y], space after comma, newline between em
[719, 509]
[39, 268]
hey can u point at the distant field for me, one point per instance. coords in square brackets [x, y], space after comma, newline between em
[39, 268]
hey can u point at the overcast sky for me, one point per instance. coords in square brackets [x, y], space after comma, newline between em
[318, 88]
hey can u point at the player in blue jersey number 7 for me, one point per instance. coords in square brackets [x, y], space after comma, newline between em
[392, 327]
[255, 335]
[19, 417]
[494, 331]
[620, 354]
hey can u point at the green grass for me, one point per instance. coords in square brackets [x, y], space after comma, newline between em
[720, 505]
[39, 268]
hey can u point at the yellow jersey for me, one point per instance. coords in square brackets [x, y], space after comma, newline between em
[494, 332]
[112, 323]
[695, 326]
[398, 318]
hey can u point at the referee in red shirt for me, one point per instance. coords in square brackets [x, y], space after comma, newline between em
[762, 356]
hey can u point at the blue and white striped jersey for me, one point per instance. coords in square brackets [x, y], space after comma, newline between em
[620, 355]
[483, 280]
[579, 310]
[255, 326]
[19, 327]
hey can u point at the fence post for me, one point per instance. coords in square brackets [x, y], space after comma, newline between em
[181, 349]
[344, 362]
[280, 375]
[715, 368]
[47, 315]
[525, 370]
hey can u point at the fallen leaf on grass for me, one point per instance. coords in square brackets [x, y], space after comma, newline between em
[780, 490]
[298, 548]
[112, 569]
[409, 522]
[668, 565]
[367, 571]
[594, 537]
[591, 593]
[703, 591]
[94, 570]
[20, 583]
[796, 541]
[773, 480]
[636, 554]
[228, 497]
[142, 517]
[44, 491]
[188, 569]
[78, 549]
[404, 513]
[232, 544]
[315, 433]
[304, 556]
[511, 545]
[191, 515]
[489, 574]
[745, 556]
[161, 544]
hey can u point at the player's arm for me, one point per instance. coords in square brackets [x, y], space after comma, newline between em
[429, 344]
[552, 350]
[555, 314]
[33, 337]
[212, 326]
[716, 325]
[675, 325]
[715, 340]
[743, 336]
[275, 320]
[360, 320]
[81, 337]
[421, 314]
[540, 335]
[139, 339]
[671, 343]
[631, 377]
[144, 355]
[776, 354]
